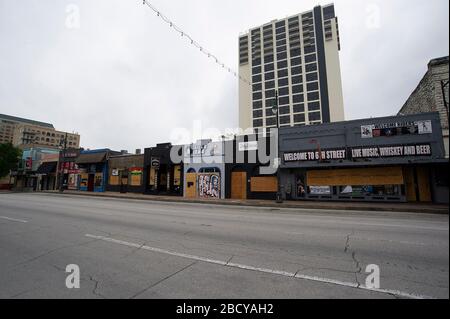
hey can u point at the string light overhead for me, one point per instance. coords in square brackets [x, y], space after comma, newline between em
[195, 43]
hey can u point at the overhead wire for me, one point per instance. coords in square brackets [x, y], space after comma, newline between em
[195, 43]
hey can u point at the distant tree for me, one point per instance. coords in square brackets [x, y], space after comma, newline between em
[9, 158]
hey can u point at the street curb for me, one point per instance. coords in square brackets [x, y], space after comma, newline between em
[350, 207]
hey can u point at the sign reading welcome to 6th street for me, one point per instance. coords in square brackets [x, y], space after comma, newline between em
[359, 152]
[315, 155]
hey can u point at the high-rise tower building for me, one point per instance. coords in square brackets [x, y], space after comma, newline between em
[298, 58]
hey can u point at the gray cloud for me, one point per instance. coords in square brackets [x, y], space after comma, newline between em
[124, 79]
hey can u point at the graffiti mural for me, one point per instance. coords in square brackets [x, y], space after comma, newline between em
[209, 185]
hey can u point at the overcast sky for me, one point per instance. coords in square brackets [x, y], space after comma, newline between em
[123, 79]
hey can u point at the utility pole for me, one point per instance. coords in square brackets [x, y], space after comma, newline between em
[276, 111]
[63, 144]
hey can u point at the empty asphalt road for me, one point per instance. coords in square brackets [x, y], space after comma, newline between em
[144, 249]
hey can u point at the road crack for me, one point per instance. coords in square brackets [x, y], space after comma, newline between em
[162, 280]
[49, 252]
[358, 268]
[95, 290]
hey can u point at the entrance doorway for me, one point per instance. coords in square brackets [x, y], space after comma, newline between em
[417, 184]
[239, 185]
[191, 185]
[91, 183]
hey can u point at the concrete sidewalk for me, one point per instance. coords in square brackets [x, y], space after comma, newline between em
[353, 206]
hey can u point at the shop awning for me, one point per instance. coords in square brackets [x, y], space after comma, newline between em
[91, 158]
[47, 168]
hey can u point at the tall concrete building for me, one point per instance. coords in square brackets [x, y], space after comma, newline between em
[298, 57]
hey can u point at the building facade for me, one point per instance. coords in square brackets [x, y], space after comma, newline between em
[251, 169]
[8, 124]
[47, 172]
[163, 175]
[126, 173]
[298, 58]
[26, 178]
[204, 170]
[93, 169]
[398, 158]
[68, 170]
[27, 135]
[432, 95]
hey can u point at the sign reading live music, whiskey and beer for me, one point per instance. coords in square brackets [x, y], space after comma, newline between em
[359, 152]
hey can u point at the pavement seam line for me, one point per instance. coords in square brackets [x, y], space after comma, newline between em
[263, 270]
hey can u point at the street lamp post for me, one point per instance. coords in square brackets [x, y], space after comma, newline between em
[62, 144]
[276, 111]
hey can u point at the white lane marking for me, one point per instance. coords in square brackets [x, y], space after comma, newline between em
[259, 269]
[14, 219]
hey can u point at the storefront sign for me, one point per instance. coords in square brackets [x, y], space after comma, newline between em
[29, 163]
[70, 155]
[320, 190]
[396, 128]
[359, 152]
[155, 162]
[202, 150]
[315, 155]
[198, 150]
[392, 151]
[136, 170]
[248, 146]
[69, 168]
[425, 127]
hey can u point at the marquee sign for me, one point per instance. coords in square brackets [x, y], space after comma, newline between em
[315, 155]
[396, 128]
[359, 153]
[391, 151]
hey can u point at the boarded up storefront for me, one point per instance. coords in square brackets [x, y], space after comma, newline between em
[126, 173]
[394, 158]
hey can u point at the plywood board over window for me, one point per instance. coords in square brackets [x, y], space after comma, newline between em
[264, 184]
[191, 185]
[84, 179]
[136, 179]
[356, 176]
[113, 180]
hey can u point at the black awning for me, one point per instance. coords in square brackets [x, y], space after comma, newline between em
[47, 168]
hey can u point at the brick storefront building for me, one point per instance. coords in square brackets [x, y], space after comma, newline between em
[432, 95]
